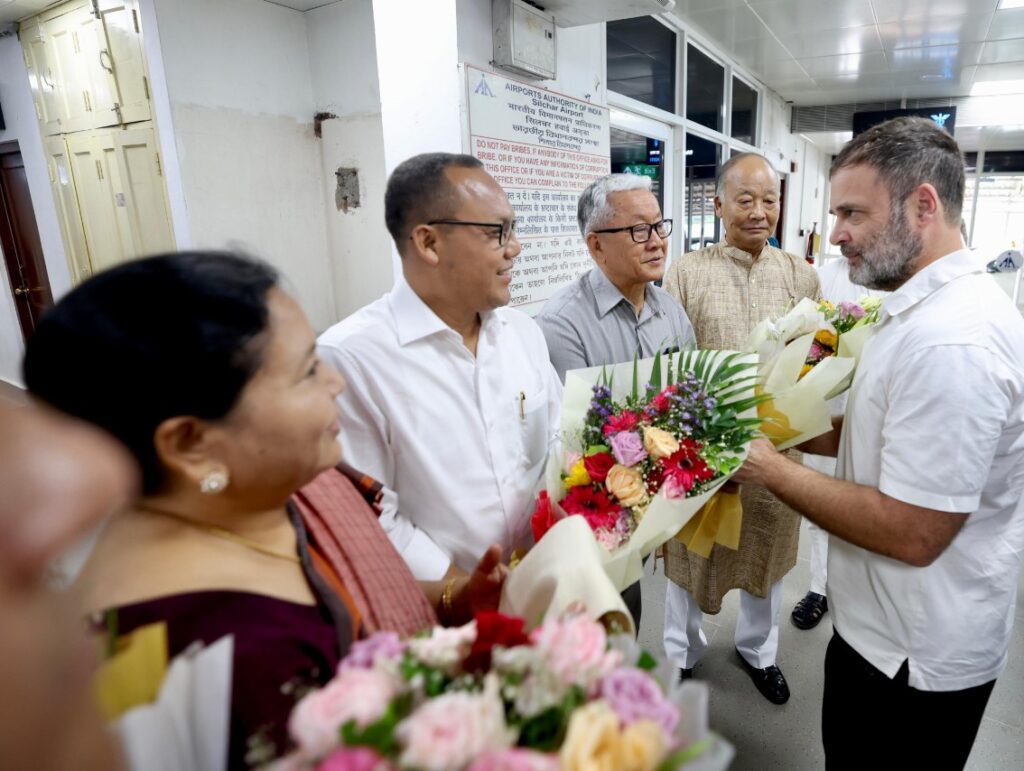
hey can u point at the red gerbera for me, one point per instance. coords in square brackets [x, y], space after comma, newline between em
[686, 465]
[661, 402]
[624, 421]
[595, 506]
[493, 629]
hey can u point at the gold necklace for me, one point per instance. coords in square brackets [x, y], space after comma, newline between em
[227, 535]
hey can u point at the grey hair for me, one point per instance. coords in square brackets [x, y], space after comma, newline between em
[727, 167]
[593, 209]
[907, 152]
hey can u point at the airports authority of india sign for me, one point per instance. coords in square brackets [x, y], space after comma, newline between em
[543, 148]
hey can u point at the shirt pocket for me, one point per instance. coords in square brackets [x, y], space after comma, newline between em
[531, 416]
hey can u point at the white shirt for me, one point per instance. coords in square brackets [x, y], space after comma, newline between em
[836, 287]
[936, 419]
[459, 442]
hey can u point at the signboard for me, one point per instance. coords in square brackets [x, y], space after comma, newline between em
[543, 148]
[944, 117]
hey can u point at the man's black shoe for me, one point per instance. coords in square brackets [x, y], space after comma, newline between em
[685, 674]
[809, 610]
[769, 681]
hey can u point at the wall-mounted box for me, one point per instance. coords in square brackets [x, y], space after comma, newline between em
[524, 39]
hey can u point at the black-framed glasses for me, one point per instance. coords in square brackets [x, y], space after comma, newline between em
[504, 229]
[642, 233]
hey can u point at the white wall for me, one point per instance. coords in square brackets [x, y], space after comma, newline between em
[579, 51]
[241, 97]
[20, 118]
[343, 64]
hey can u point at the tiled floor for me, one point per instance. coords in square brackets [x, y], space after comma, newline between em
[789, 737]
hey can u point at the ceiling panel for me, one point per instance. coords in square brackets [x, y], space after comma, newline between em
[937, 30]
[846, 65]
[923, 9]
[1007, 24]
[999, 51]
[1004, 71]
[804, 17]
[19, 9]
[830, 42]
[728, 25]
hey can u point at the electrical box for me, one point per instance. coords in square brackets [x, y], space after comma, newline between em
[524, 39]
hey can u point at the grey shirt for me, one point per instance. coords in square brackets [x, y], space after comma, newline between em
[590, 323]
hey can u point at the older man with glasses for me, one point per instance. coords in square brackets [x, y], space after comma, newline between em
[615, 310]
[451, 401]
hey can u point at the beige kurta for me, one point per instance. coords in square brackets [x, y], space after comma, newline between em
[726, 293]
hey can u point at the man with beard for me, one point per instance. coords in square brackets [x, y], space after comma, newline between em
[726, 290]
[926, 514]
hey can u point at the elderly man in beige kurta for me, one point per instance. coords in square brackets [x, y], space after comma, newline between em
[726, 290]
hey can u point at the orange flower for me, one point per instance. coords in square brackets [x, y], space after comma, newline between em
[825, 337]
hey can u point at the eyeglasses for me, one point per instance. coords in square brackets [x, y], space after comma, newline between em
[642, 233]
[504, 229]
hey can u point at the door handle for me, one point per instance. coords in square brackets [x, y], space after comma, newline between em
[20, 291]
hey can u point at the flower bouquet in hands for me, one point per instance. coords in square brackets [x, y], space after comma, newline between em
[805, 358]
[638, 464]
[490, 697]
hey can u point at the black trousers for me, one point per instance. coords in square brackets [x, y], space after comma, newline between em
[870, 721]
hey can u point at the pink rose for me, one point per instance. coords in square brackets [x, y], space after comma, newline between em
[353, 759]
[628, 448]
[361, 695]
[364, 653]
[450, 731]
[515, 760]
[673, 487]
[576, 650]
[635, 695]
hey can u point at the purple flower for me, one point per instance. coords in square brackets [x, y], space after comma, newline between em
[364, 653]
[852, 309]
[628, 448]
[634, 695]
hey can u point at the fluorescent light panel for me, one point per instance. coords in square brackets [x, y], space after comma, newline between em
[997, 87]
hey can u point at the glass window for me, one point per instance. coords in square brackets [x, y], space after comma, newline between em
[637, 154]
[703, 160]
[744, 111]
[705, 89]
[642, 61]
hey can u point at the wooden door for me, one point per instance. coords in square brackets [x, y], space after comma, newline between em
[140, 192]
[121, 37]
[19, 239]
[41, 75]
[89, 155]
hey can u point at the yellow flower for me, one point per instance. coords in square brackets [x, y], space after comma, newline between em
[577, 476]
[595, 743]
[643, 746]
[659, 443]
[826, 337]
[804, 370]
[626, 484]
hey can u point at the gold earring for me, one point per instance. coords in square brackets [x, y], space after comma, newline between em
[214, 482]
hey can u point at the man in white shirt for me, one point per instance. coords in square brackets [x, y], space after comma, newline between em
[926, 516]
[452, 402]
[837, 288]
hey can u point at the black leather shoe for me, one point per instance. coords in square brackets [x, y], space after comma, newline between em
[769, 681]
[685, 674]
[809, 610]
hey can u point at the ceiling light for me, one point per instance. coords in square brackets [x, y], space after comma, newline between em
[1005, 5]
[997, 87]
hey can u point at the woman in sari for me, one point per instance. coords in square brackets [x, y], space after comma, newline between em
[206, 371]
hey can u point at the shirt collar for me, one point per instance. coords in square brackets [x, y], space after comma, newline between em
[608, 296]
[414, 320]
[740, 256]
[929, 279]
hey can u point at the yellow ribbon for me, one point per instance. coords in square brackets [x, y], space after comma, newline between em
[134, 674]
[718, 521]
[774, 424]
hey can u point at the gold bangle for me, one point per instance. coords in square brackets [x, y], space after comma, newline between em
[446, 599]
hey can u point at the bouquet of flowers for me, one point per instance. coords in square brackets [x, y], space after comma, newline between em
[490, 697]
[805, 358]
[638, 464]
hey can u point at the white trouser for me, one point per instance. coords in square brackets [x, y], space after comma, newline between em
[757, 628]
[819, 557]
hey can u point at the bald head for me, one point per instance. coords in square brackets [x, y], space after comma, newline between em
[747, 200]
[742, 163]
